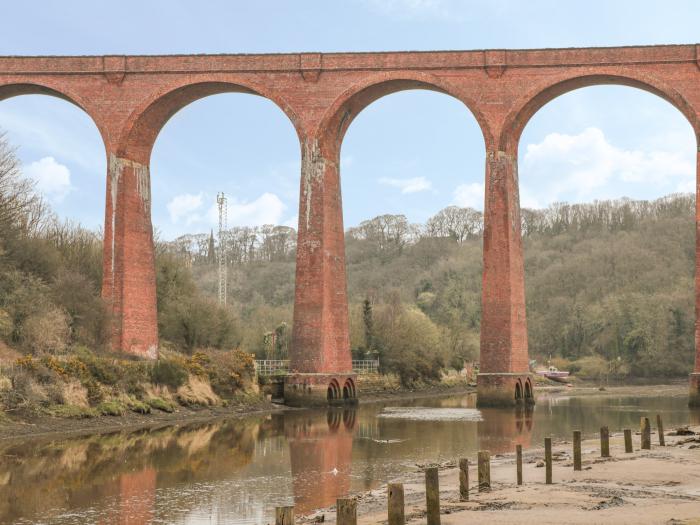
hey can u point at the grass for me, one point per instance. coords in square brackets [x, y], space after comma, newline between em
[159, 403]
[111, 408]
[139, 406]
[72, 412]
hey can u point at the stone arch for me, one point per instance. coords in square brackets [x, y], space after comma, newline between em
[12, 90]
[350, 104]
[145, 123]
[333, 392]
[528, 389]
[535, 99]
[349, 389]
[518, 391]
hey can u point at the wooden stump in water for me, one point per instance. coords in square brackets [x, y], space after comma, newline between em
[432, 495]
[628, 441]
[484, 461]
[646, 433]
[660, 427]
[463, 479]
[346, 512]
[284, 516]
[519, 464]
[577, 450]
[548, 460]
[604, 442]
[395, 504]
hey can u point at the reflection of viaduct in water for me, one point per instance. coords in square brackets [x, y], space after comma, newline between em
[137, 497]
[320, 449]
[502, 429]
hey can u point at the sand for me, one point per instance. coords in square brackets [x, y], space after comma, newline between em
[661, 485]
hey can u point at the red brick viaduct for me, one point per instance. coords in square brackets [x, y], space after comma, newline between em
[130, 98]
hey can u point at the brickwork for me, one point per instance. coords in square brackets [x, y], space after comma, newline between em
[130, 98]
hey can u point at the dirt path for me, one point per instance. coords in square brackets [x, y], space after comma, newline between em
[657, 486]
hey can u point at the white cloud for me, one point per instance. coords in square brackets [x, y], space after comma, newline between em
[469, 195]
[584, 166]
[412, 185]
[190, 209]
[266, 209]
[185, 207]
[52, 179]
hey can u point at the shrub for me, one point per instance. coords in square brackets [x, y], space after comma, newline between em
[169, 372]
[230, 372]
[46, 331]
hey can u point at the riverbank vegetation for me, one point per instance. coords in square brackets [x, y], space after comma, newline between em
[54, 326]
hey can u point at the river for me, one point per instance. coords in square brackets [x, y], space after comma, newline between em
[236, 471]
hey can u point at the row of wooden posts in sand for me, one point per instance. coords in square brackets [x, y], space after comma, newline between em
[346, 509]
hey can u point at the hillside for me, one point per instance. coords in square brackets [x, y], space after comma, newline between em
[609, 285]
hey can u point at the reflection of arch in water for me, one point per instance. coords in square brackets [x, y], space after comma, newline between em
[320, 456]
[349, 419]
[503, 428]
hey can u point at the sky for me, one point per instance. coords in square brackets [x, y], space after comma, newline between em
[412, 152]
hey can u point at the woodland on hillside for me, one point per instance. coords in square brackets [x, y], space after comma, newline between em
[609, 286]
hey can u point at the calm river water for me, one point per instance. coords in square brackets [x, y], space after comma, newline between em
[237, 471]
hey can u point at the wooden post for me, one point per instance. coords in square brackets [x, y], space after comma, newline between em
[628, 441]
[463, 479]
[646, 433]
[284, 516]
[604, 442]
[484, 470]
[519, 463]
[346, 512]
[432, 495]
[395, 504]
[577, 450]
[548, 460]
[660, 427]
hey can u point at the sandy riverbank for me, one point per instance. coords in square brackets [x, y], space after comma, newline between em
[657, 486]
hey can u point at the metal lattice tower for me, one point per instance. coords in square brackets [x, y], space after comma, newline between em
[223, 274]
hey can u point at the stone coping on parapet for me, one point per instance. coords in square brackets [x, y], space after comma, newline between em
[354, 61]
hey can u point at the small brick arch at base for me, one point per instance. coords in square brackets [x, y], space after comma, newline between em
[320, 389]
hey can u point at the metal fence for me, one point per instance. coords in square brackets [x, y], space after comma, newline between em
[366, 366]
[269, 367]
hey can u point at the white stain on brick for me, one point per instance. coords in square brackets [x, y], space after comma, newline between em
[313, 166]
[143, 188]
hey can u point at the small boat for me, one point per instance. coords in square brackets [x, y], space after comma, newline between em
[554, 374]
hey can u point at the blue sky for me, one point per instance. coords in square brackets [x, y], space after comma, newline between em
[412, 152]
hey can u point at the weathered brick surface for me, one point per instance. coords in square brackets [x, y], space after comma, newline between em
[130, 98]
